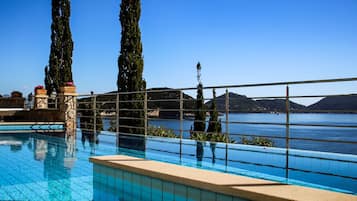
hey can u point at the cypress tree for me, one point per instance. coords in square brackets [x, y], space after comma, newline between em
[131, 64]
[60, 61]
[199, 124]
[214, 126]
[48, 82]
[67, 43]
[200, 113]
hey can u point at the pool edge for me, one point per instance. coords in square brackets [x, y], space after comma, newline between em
[234, 185]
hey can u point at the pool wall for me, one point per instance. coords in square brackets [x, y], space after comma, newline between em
[116, 184]
[324, 170]
[222, 183]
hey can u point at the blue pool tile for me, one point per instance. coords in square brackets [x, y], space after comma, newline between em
[111, 181]
[180, 192]
[168, 191]
[156, 186]
[222, 197]
[118, 184]
[193, 194]
[145, 195]
[238, 199]
[136, 179]
[208, 195]
[4, 195]
[119, 174]
[145, 182]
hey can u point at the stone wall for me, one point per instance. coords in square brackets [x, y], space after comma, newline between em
[32, 116]
[13, 102]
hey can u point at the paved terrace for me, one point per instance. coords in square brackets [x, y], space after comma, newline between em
[240, 186]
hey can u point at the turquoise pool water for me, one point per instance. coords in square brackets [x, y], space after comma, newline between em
[28, 128]
[38, 167]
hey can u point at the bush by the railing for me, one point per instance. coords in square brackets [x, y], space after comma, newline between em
[218, 137]
[259, 141]
[210, 137]
[161, 132]
[197, 135]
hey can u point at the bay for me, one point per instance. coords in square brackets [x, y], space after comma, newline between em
[340, 140]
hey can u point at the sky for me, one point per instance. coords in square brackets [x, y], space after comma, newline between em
[236, 42]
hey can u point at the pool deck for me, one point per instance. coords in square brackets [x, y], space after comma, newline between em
[234, 185]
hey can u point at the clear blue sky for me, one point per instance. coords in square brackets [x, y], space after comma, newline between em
[236, 41]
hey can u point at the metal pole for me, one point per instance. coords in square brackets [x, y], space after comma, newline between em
[227, 119]
[117, 119]
[287, 133]
[181, 122]
[94, 118]
[146, 114]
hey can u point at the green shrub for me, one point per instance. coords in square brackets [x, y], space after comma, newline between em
[259, 141]
[218, 137]
[161, 132]
[199, 136]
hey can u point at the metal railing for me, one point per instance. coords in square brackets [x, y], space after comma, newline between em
[175, 108]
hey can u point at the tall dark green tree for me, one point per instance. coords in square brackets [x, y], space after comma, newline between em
[60, 61]
[214, 125]
[199, 124]
[130, 79]
[200, 113]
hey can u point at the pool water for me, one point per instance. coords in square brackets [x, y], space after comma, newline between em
[38, 167]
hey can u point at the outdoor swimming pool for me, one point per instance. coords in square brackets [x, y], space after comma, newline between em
[38, 167]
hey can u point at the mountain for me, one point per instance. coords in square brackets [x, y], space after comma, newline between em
[166, 103]
[279, 105]
[237, 103]
[240, 103]
[335, 103]
[158, 98]
[169, 99]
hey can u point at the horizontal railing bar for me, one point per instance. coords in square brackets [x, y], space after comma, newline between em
[291, 124]
[163, 100]
[133, 110]
[90, 117]
[79, 102]
[294, 138]
[323, 173]
[325, 140]
[131, 118]
[161, 119]
[102, 109]
[126, 126]
[157, 139]
[322, 158]
[299, 96]
[260, 164]
[237, 86]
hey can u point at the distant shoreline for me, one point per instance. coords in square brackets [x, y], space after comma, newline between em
[279, 113]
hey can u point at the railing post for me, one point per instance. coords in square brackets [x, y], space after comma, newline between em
[94, 117]
[287, 132]
[146, 114]
[117, 119]
[181, 122]
[227, 123]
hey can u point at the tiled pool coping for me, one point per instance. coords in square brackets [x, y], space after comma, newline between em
[234, 185]
[32, 127]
